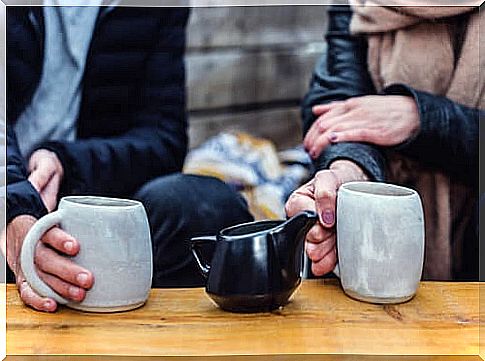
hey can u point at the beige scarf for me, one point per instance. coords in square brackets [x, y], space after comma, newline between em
[417, 46]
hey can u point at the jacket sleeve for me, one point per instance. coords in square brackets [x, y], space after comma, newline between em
[340, 74]
[448, 137]
[155, 145]
[22, 198]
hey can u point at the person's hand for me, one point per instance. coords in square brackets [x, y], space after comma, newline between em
[384, 120]
[61, 274]
[320, 195]
[46, 174]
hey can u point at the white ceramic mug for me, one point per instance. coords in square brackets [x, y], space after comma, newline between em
[114, 236]
[380, 241]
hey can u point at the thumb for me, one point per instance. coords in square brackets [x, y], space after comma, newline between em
[326, 185]
[31, 298]
[50, 192]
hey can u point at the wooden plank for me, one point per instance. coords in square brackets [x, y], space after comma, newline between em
[282, 126]
[443, 319]
[255, 26]
[248, 358]
[227, 78]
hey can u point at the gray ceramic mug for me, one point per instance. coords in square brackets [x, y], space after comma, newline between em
[380, 241]
[114, 236]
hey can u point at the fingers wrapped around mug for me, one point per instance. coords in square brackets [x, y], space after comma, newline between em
[326, 264]
[60, 266]
[61, 274]
[61, 241]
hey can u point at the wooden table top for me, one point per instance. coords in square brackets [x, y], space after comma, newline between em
[443, 319]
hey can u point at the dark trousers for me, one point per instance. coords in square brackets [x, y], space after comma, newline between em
[179, 207]
[182, 206]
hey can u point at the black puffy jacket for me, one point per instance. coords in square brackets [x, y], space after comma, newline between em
[132, 121]
[449, 131]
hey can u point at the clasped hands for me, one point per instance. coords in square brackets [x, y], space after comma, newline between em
[383, 120]
[51, 255]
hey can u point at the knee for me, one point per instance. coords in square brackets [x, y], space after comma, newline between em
[162, 194]
[191, 197]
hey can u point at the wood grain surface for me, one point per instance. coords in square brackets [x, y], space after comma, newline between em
[229, 78]
[443, 319]
[292, 357]
[255, 26]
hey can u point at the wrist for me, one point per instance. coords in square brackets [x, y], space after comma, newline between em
[412, 113]
[348, 171]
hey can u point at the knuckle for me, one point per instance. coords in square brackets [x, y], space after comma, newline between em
[326, 194]
[318, 233]
[321, 176]
[40, 255]
[312, 254]
[321, 124]
[289, 205]
[53, 236]
[314, 235]
[292, 201]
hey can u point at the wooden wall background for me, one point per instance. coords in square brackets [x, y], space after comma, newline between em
[248, 68]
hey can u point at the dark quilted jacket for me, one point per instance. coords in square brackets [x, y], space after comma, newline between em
[132, 120]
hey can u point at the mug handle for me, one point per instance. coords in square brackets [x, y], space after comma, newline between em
[27, 255]
[195, 244]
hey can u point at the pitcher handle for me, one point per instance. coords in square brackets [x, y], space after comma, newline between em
[195, 244]
[28, 251]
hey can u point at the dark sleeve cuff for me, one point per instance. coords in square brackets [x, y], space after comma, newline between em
[367, 157]
[22, 198]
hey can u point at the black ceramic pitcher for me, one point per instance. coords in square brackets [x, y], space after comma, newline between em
[255, 266]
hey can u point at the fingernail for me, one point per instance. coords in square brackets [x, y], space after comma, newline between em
[82, 278]
[74, 291]
[313, 154]
[48, 305]
[328, 216]
[333, 137]
[69, 246]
